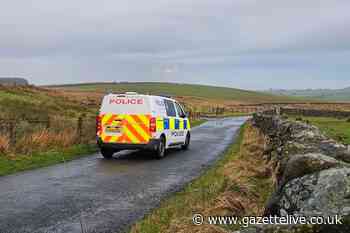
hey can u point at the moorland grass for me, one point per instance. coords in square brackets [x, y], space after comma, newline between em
[174, 89]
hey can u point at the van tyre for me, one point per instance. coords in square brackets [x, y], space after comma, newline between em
[107, 153]
[160, 152]
[187, 142]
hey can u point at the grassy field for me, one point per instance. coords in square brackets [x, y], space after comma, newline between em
[338, 129]
[173, 89]
[39, 116]
[238, 184]
[34, 102]
[45, 128]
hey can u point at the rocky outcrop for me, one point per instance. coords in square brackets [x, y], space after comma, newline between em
[14, 82]
[324, 193]
[312, 174]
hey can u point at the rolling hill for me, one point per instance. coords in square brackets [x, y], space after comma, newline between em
[317, 94]
[39, 103]
[175, 89]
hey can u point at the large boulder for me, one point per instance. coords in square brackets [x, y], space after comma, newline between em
[300, 165]
[325, 193]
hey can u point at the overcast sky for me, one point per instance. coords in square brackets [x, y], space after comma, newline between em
[238, 43]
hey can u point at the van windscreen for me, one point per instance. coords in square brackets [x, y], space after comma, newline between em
[124, 104]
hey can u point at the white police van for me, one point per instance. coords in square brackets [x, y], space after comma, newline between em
[135, 121]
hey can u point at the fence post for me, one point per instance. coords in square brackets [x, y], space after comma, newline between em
[12, 131]
[48, 123]
[80, 129]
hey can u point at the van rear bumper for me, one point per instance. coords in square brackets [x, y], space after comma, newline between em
[151, 145]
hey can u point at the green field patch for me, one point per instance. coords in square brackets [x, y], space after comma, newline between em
[338, 129]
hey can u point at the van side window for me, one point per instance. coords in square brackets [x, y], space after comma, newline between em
[170, 108]
[179, 110]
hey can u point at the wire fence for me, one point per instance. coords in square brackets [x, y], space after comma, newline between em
[194, 113]
[23, 135]
[26, 136]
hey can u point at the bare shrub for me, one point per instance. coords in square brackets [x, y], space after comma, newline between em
[242, 196]
[44, 140]
[4, 144]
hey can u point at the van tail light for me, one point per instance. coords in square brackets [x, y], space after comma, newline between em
[153, 125]
[98, 125]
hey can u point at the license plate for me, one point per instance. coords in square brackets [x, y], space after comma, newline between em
[111, 129]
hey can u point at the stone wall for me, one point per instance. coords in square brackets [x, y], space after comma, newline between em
[312, 174]
[315, 112]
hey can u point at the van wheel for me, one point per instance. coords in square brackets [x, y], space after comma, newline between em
[160, 152]
[107, 153]
[187, 142]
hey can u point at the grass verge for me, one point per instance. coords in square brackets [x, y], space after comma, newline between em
[238, 184]
[198, 122]
[10, 165]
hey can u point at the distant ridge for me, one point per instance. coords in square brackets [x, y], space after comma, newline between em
[179, 89]
[8, 81]
[319, 94]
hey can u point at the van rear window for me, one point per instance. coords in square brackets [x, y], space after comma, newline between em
[125, 105]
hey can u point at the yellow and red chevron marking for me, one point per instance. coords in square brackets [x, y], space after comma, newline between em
[134, 128]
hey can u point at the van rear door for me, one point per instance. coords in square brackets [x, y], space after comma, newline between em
[125, 119]
[171, 119]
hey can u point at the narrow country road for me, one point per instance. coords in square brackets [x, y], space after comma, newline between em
[106, 195]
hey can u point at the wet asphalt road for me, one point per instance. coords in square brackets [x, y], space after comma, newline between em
[106, 195]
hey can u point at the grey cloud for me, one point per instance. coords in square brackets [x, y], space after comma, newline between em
[145, 40]
[161, 26]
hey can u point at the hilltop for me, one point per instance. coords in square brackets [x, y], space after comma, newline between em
[203, 92]
[33, 102]
[317, 94]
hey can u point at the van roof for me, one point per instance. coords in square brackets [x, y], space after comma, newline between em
[137, 94]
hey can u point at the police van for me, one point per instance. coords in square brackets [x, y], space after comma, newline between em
[134, 121]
